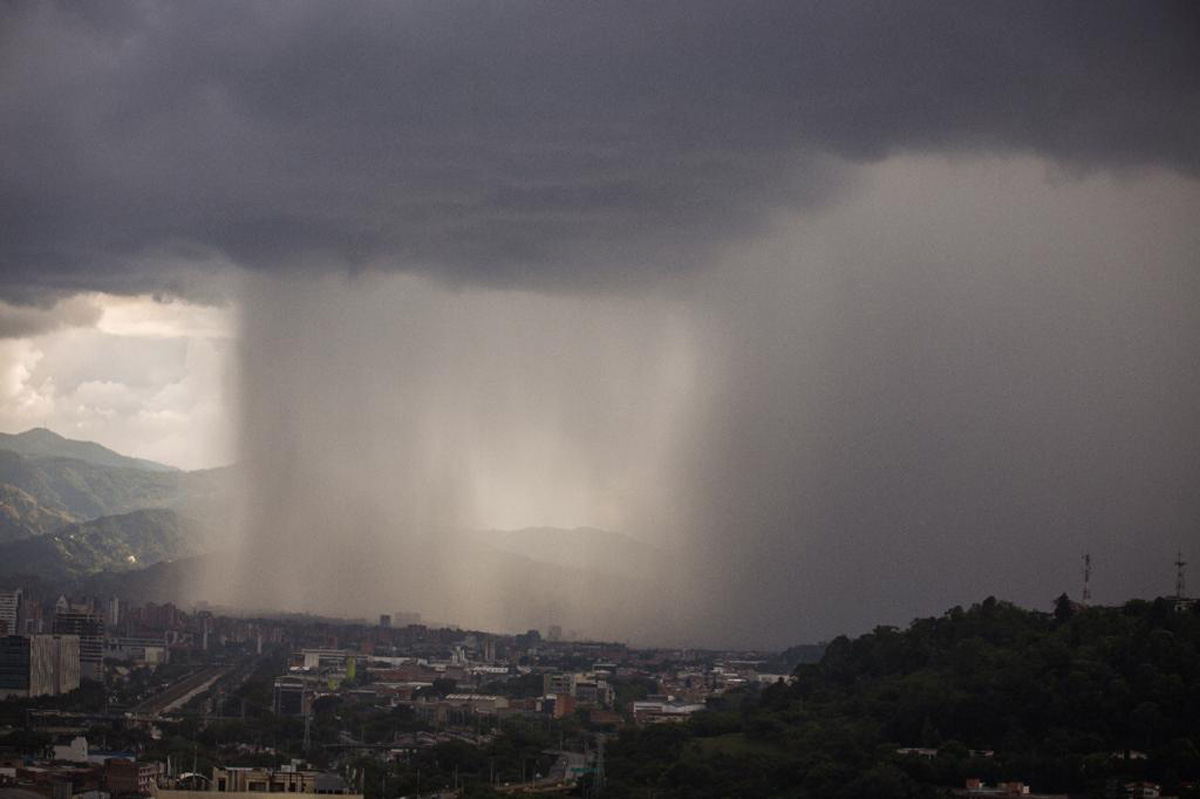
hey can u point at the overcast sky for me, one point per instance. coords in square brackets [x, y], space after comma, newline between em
[870, 307]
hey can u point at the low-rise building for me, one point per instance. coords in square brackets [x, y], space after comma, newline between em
[559, 705]
[659, 711]
[290, 697]
[142, 651]
[976, 787]
[554, 682]
[129, 778]
[71, 750]
[594, 692]
[248, 782]
[324, 658]
[478, 703]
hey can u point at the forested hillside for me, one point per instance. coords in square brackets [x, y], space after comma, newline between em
[43, 443]
[22, 516]
[1057, 700]
[121, 543]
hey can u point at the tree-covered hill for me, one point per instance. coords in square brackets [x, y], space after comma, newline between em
[787, 660]
[41, 442]
[110, 544]
[85, 490]
[1058, 700]
[22, 516]
[76, 515]
[82, 490]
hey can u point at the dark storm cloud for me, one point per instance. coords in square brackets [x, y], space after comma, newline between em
[535, 144]
[953, 386]
[21, 321]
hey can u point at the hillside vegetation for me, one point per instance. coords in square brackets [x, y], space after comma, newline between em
[85, 490]
[1057, 699]
[41, 442]
[47, 481]
[22, 516]
[110, 544]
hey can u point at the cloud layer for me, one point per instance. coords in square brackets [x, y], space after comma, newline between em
[144, 377]
[529, 144]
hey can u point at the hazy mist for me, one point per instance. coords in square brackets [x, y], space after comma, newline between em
[385, 416]
[864, 417]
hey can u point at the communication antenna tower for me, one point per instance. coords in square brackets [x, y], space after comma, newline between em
[1180, 584]
[1087, 578]
[307, 719]
[599, 764]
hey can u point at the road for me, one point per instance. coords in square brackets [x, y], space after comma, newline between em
[561, 778]
[178, 694]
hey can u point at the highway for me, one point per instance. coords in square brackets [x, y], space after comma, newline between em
[178, 694]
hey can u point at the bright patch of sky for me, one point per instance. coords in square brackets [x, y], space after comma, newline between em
[147, 377]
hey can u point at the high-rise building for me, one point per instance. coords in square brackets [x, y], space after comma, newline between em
[385, 620]
[14, 666]
[10, 612]
[38, 665]
[90, 629]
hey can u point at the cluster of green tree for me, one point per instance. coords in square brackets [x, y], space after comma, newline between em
[1058, 701]
[628, 690]
[519, 752]
[787, 660]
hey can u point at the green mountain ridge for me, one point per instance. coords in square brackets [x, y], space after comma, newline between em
[70, 510]
[120, 543]
[22, 516]
[84, 490]
[42, 442]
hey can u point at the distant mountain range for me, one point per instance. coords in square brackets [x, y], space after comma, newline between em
[77, 517]
[22, 516]
[70, 509]
[45, 443]
[123, 543]
[582, 548]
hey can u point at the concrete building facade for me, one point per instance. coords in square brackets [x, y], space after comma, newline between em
[10, 612]
[89, 627]
[38, 665]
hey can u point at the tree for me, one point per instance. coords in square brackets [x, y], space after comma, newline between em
[1062, 608]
